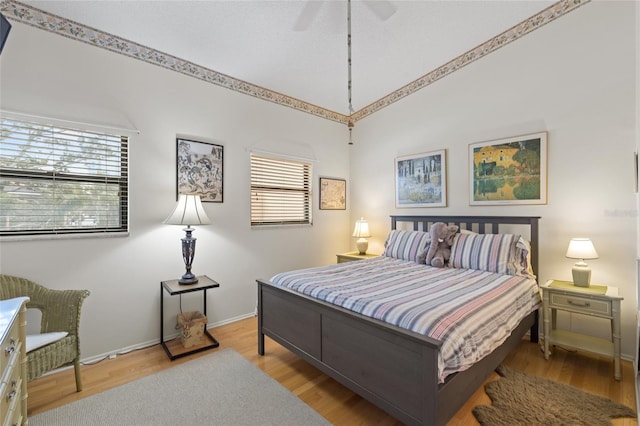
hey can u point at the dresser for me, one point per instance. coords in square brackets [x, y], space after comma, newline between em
[13, 362]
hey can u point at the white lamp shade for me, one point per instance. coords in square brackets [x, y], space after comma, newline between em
[188, 211]
[362, 229]
[581, 248]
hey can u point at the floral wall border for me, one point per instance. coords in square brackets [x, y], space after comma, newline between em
[512, 34]
[40, 19]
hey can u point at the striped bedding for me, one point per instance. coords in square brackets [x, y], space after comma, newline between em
[470, 311]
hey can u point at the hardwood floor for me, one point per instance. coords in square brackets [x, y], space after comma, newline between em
[337, 404]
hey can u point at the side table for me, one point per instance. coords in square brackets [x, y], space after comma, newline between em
[354, 255]
[173, 287]
[596, 301]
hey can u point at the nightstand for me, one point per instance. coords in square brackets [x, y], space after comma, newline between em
[596, 301]
[354, 255]
[173, 287]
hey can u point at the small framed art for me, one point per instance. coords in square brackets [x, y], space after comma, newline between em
[421, 180]
[199, 169]
[333, 194]
[509, 171]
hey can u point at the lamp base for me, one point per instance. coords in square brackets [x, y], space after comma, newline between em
[362, 245]
[188, 252]
[581, 274]
[188, 278]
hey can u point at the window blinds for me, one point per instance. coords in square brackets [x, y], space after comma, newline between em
[280, 191]
[59, 180]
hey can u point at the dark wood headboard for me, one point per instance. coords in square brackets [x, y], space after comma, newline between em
[479, 224]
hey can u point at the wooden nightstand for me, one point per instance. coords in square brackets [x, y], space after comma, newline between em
[354, 255]
[596, 301]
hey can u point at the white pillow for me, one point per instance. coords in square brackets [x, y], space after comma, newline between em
[35, 341]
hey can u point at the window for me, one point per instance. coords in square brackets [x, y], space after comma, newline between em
[280, 191]
[58, 180]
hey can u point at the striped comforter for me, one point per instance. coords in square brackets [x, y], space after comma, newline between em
[470, 311]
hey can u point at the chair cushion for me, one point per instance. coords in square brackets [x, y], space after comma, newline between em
[35, 341]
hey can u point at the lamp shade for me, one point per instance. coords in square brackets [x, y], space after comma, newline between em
[581, 248]
[362, 229]
[188, 211]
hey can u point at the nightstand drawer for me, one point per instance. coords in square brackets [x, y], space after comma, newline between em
[581, 304]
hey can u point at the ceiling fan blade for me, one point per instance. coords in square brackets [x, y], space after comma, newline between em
[308, 14]
[381, 8]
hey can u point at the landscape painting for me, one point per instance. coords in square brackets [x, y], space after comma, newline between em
[509, 171]
[421, 180]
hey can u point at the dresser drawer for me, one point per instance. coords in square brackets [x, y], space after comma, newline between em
[9, 346]
[13, 384]
[14, 412]
[10, 390]
[581, 304]
[15, 418]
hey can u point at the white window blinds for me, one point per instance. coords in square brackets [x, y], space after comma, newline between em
[280, 191]
[58, 180]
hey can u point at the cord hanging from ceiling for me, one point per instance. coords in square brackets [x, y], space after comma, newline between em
[349, 81]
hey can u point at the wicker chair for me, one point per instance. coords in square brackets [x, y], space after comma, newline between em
[60, 312]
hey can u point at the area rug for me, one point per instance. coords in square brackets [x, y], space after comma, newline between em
[521, 399]
[219, 389]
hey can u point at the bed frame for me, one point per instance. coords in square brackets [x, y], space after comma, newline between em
[393, 368]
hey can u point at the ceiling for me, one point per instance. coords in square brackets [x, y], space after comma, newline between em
[261, 42]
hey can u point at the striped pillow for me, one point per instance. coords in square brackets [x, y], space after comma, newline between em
[407, 245]
[485, 252]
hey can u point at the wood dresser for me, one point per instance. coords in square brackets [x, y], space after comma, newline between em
[13, 362]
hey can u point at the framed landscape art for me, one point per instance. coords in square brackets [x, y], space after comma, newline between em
[333, 194]
[421, 180]
[199, 169]
[509, 171]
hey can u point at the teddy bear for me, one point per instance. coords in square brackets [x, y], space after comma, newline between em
[439, 251]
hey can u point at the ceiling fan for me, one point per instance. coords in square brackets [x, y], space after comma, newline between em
[383, 9]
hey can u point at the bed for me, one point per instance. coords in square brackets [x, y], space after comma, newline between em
[395, 367]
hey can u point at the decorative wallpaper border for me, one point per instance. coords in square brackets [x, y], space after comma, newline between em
[40, 19]
[512, 34]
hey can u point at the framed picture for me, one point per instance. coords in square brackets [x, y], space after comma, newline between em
[509, 171]
[421, 180]
[199, 169]
[333, 194]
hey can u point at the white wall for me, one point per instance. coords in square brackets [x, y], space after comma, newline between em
[574, 78]
[46, 74]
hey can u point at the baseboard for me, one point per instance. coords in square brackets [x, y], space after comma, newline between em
[148, 343]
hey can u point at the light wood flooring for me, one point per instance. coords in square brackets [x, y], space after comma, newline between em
[337, 404]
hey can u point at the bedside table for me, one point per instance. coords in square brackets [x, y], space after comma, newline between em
[173, 287]
[596, 301]
[354, 255]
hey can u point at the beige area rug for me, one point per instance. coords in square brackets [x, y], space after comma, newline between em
[219, 389]
[521, 399]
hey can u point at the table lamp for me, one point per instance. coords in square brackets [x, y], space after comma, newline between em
[188, 211]
[581, 248]
[361, 231]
